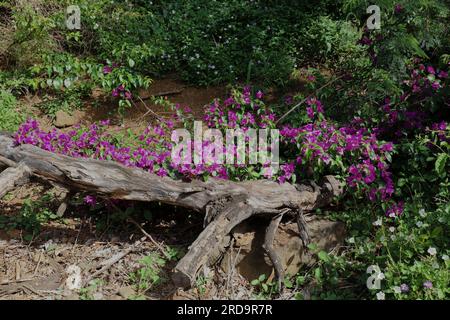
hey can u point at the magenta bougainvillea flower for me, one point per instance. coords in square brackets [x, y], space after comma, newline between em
[90, 200]
[398, 8]
[361, 158]
[107, 70]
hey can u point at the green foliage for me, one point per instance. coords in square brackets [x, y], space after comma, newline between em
[88, 292]
[32, 215]
[265, 288]
[28, 30]
[122, 44]
[332, 41]
[149, 274]
[10, 117]
[423, 166]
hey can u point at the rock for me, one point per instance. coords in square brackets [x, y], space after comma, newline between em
[127, 292]
[63, 119]
[250, 259]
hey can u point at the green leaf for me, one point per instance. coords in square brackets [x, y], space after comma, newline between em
[288, 283]
[440, 164]
[323, 256]
[67, 82]
[300, 280]
[131, 63]
[57, 83]
[318, 273]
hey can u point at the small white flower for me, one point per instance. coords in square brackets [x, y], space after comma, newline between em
[419, 224]
[397, 289]
[445, 257]
[391, 229]
[380, 295]
[351, 240]
[393, 237]
[422, 213]
[380, 276]
[378, 222]
[432, 251]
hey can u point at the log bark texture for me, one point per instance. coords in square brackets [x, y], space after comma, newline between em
[225, 203]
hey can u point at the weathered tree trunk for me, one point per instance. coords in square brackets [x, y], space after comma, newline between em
[225, 203]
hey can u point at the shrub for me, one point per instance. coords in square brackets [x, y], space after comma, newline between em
[10, 118]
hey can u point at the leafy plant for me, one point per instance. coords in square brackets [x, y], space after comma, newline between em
[10, 118]
[88, 292]
[33, 214]
[266, 288]
[148, 275]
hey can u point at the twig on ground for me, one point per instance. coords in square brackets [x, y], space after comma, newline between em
[38, 264]
[78, 235]
[148, 236]
[110, 262]
[149, 110]
[5, 282]
[166, 93]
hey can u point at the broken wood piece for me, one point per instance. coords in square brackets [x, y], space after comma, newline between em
[7, 162]
[63, 195]
[12, 178]
[268, 246]
[303, 228]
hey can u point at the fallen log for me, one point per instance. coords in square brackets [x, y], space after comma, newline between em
[13, 177]
[225, 203]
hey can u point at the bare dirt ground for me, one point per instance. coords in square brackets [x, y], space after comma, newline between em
[104, 259]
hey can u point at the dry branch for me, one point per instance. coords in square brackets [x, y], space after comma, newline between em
[13, 177]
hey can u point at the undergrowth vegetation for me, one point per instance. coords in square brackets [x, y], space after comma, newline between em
[373, 109]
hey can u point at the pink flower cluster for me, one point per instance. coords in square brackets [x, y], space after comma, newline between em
[426, 78]
[122, 92]
[240, 110]
[347, 151]
[360, 156]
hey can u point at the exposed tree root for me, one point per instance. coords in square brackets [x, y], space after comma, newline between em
[268, 246]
